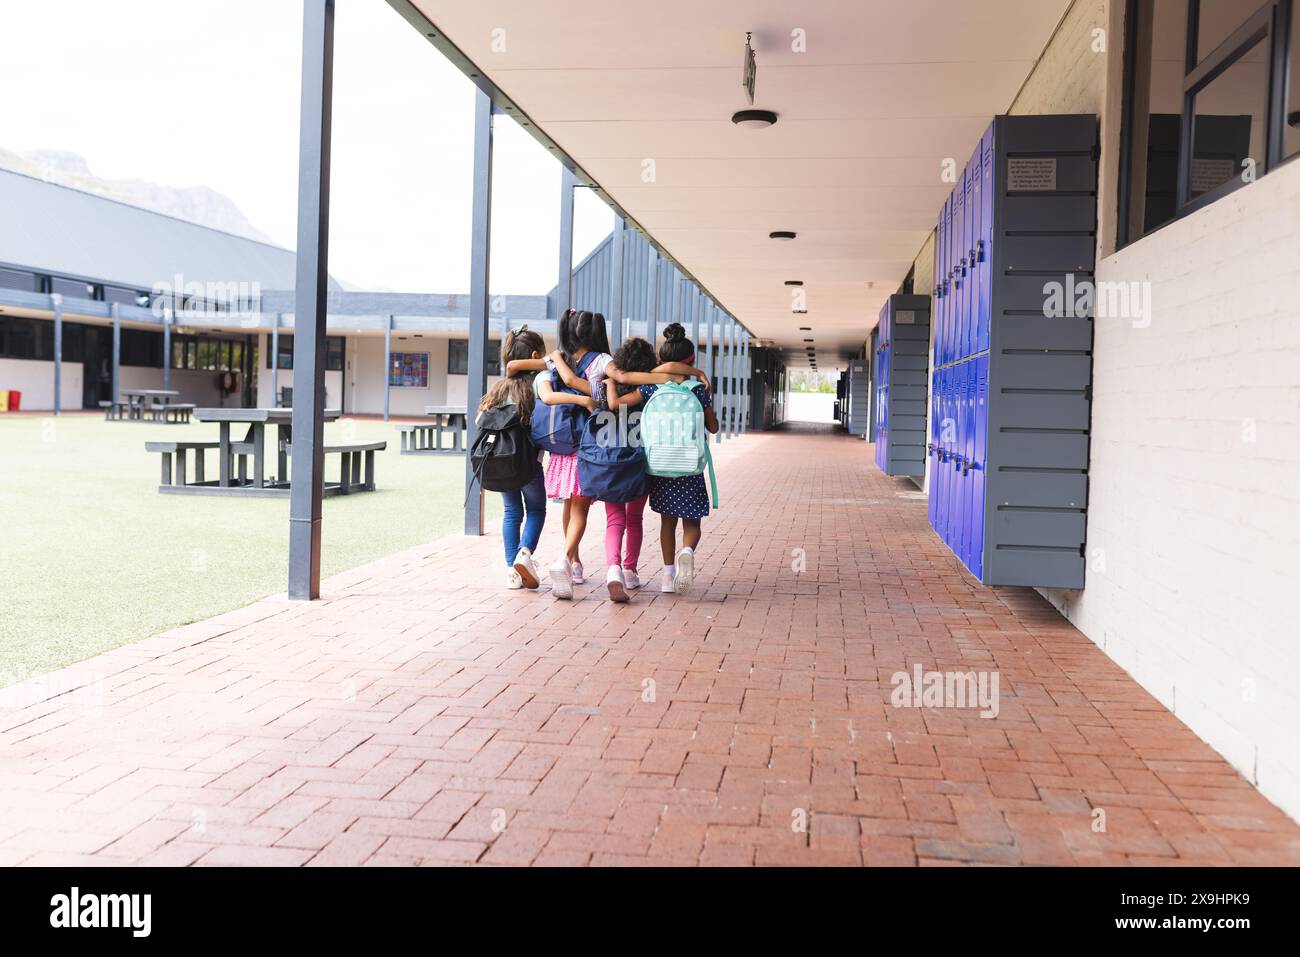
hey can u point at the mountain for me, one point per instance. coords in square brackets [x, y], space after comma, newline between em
[195, 204]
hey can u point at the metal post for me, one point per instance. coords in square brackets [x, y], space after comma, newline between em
[307, 487]
[479, 269]
[117, 348]
[167, 347]
[388, 362]
[711, 311]
[747, 373]
[564, 288]
[616, 283]
[275, 362]
[56, 303]
[678, 304]
[695, 315]
[652, 297]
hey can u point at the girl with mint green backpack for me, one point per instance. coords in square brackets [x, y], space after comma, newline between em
[677, 456]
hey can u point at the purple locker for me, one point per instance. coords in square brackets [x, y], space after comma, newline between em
[974, 220]
[932, 500]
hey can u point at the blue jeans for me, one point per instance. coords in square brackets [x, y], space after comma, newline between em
[526, 507]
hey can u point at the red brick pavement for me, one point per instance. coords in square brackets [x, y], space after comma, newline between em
[421, 714]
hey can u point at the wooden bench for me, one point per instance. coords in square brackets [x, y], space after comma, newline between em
[350, 475]
[178, 449]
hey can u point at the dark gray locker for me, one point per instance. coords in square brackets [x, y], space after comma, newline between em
[902, 361]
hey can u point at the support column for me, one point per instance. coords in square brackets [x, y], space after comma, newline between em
[388, 362]
[275, 362]
[746, 380]
[695, 315]
[479, 270]
[167, 347]
[616, 284]
[307, 484]
[711, 313]
[564, 287]
[117, 348]
[652, 297]
[56, 303]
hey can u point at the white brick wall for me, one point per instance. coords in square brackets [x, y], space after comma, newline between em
[1194, 511]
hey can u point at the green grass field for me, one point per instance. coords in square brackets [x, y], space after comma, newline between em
[94, 557]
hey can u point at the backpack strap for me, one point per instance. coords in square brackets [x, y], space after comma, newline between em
[713, 478]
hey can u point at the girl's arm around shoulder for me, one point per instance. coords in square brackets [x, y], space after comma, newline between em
[567, 375]
[516, 366]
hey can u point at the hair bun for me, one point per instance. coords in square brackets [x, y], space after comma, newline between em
[674, 331]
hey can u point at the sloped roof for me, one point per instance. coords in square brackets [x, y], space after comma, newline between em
[56, 229]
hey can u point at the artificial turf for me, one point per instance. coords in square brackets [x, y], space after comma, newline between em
[92, 556]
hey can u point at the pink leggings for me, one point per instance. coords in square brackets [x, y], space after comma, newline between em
[621, 518]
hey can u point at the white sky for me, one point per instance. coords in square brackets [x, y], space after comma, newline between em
[205, 92]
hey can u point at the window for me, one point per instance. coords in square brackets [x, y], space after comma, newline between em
[335, 350]
[27, 339]
[408, 370]
[458, 357]
[17, 279]
[140, 347]
[1200, 118]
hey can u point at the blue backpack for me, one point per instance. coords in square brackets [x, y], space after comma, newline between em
[611, 467]
[558, 428]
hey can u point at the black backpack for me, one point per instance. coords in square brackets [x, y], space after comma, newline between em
[503, 457]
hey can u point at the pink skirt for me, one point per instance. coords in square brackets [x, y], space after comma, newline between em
[562, 476]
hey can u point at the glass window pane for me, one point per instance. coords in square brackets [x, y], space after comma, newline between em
[1229, 123]
[1216, 21]
[1158, 115]
[1291, 120]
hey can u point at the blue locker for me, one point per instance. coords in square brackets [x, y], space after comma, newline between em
[1027, 176]
[985, 238]
[980, 461]
[976, 271]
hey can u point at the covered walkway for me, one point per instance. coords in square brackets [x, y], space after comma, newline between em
[419, 713]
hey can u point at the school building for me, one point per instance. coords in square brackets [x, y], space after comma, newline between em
[144, 300]
[1054, 246]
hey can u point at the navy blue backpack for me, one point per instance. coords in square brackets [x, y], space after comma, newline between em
[558, 428]
[611, 467]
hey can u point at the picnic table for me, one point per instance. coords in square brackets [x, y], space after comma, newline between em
[132, 404]
[421, 439]
[233, 455]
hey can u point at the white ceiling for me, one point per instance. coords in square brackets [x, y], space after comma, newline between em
[885, 92]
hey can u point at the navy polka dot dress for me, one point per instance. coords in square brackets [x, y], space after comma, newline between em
[687, 496]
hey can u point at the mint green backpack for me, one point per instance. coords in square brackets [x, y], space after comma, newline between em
[673, 436]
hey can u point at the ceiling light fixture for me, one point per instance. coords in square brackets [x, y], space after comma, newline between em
[784, 235]
[754, 119]
[794, 282]
[800, 312]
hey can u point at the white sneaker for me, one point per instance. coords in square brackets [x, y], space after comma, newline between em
[579, 576]
[631, 579]
[513, 580]
[667, 585]
[562, 579]
[614, 582]
[685, 576]
[526, 568]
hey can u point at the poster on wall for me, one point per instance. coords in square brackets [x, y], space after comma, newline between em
[408, 370]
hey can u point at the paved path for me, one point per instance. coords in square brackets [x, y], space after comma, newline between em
[422, 714]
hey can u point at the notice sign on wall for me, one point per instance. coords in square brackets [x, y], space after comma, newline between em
[408, 370]
[906, 317]
[1031, 174]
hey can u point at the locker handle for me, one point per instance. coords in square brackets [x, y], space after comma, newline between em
[979, 250]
